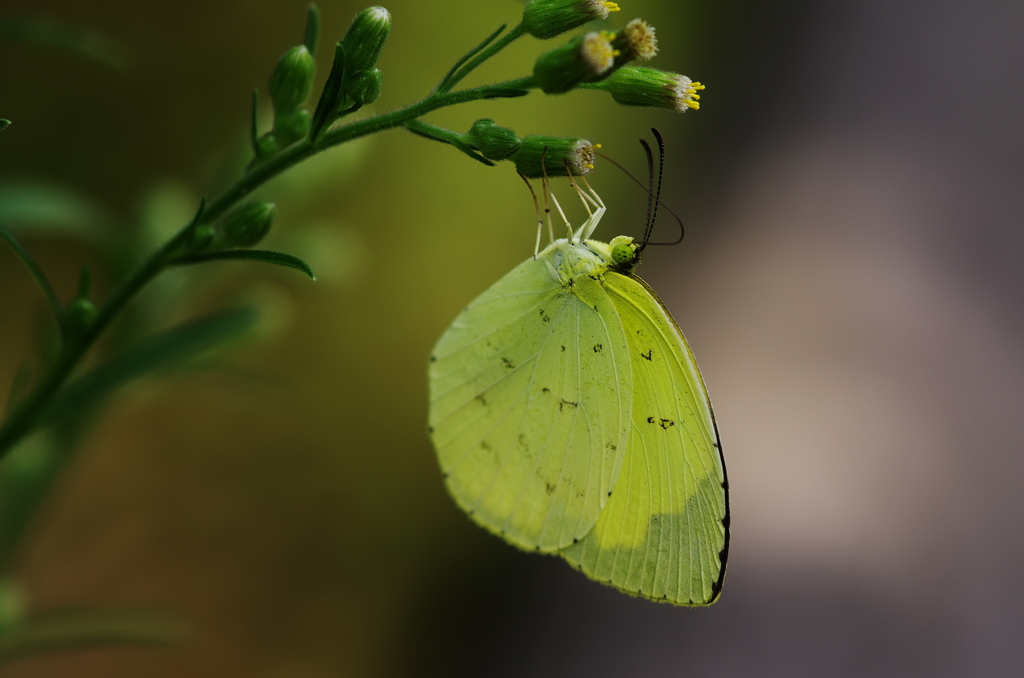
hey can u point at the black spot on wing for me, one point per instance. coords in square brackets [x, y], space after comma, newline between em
[598, 348]
[563, 402]
[648, 356]
[550, 489]
[508, 363]
[544, 316]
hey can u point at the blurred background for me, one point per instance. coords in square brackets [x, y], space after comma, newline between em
[850, 282]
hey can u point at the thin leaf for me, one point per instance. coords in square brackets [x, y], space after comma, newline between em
[162, 351]
[469, 55]
[428, 131]
[327, 105]
[254, 132]
[47, 208]
[75, 39]
[4, 124]
[63, 630]
[266, 256]
[37, 273]
[312, 28]
[508, 93]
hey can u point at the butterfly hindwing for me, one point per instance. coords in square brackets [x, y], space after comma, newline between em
[664, 532]
[529, 406]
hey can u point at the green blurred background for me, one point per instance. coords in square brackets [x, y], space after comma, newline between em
[850, 282]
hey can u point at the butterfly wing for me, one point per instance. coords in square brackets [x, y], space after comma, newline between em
[664, 532]
[529, 407]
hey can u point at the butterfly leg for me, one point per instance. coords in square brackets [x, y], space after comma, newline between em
[595, 219]
[536, 206]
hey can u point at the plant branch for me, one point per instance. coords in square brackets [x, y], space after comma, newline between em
[27, 414]
[497, 46]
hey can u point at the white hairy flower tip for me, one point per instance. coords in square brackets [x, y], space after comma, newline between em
[598, 52]
[639, 36]
[685, 94]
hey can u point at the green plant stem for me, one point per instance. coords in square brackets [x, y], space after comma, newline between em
[498, 45]
[26, 415]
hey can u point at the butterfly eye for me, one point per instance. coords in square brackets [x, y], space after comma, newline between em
[623, 255]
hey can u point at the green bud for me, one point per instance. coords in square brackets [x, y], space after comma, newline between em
[561, 156]
[364, 87]
[291, 126]
[492, 140]
[200, 237]
[12, 604]
[266, 145]
[547, 18]
[584, 58]
[637, 86]
[365, 39]
[79, 314]
[292, 80]
[4, 123]
[247, 225]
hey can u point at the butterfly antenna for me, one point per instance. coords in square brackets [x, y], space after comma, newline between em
[657, 197]
[650, 194]
[660, 202]
[536, 206]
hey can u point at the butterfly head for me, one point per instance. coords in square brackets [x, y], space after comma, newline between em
[624, 254]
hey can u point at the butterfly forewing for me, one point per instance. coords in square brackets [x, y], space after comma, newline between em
[663, 533]
[529, 405]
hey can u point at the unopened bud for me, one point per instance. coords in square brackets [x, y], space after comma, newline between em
[200, 237]
[365, 87]
[292, 79]
[584, 58]
[492, 140]
[637, 86]
[291, 126]
[365, 39]
[79, 314]
[266, 146]
[547, 18]
[554, 156]
[250, 223]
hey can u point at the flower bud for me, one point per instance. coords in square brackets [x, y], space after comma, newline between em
[200, 237]
[79, 314]
[636, 41]
[291, 126]
[561, 156]
[292, 79]
[492, 140]
[584, 58]
[365, 87]
[547, 18]
[636, 86]
[247, 225]
[266, 146]
[365, 39]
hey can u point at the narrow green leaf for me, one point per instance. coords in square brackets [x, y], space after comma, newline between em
[254, 132]
[46, 208]
[327, 106]
[469, 55]
[63, 630]
[446, 136]
[312, 28]
[511, 93]
[4, 124]
[266, 256]
[161, 351]
[37, 273]
[76, 39]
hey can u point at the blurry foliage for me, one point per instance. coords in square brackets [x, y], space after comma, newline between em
[304, 449]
